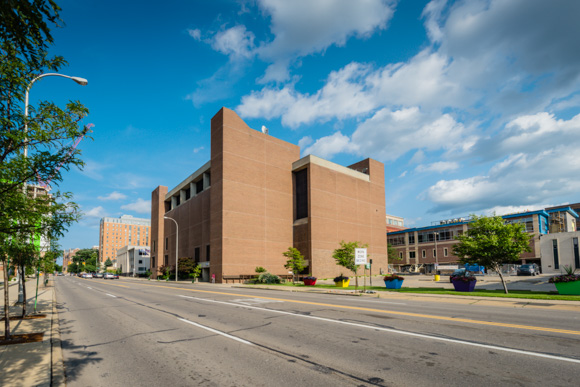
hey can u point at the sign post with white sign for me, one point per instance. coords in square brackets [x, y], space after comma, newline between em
[360, 256]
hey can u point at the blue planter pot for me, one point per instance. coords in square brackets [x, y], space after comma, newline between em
[394, 284]
[462, 286]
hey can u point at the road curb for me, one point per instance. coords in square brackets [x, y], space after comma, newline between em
[57, 375]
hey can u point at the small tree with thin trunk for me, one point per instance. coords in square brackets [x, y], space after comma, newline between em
[490, 242]
[344, 256]
[295, 261]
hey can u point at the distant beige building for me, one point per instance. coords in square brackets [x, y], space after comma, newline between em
[116, 233]
[256, 197]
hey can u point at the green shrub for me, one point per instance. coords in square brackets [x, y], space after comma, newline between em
[268, 278]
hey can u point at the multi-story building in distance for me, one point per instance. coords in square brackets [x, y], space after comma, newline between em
[68, 258]
[433, 245]
[256, 197]
[115, 233]
[395, 223]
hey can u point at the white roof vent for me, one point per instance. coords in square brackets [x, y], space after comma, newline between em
[264, 129]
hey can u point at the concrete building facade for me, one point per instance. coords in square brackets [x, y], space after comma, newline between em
[559, 250]
[116, 233]
[255, 198]
[133, 260]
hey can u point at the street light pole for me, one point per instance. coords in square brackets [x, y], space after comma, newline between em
[80, 81]
[435, 236]
[176, 244]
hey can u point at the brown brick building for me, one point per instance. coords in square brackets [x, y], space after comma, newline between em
[256, 197]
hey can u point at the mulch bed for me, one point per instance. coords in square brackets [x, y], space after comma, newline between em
[22, 339]
[28, 317]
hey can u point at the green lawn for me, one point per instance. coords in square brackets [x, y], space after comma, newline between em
[526, 294]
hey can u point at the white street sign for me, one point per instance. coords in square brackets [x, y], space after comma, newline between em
[360, 256]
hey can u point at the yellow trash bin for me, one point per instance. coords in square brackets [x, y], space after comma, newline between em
[437, 277]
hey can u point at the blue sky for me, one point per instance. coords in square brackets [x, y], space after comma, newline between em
[473, 106]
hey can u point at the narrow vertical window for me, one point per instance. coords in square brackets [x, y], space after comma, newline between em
[301, 193]
[556, 259]
[576, 253]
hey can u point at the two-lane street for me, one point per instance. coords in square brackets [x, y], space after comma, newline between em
[157, 333]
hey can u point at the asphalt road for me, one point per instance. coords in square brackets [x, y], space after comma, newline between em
[149, 333]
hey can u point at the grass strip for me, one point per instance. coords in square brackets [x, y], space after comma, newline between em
[524, 294]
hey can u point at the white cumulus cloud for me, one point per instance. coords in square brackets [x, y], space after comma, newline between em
[140, 206]
[113, 196]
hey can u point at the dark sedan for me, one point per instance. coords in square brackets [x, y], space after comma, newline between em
[528, 269]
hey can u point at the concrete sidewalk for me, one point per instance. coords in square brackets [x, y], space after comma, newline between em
[33, 364]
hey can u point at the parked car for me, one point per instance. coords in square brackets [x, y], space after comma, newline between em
[528, 269]
[88, 275]
[99, 275]
[110, 276]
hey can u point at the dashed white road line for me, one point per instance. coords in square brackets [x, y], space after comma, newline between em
[216, 331]
[110, 295]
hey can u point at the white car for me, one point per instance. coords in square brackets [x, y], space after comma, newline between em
[88, 275]
[110, 276]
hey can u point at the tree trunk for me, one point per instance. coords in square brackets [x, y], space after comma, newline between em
[6, 303]
[497, 269]
[23, 276]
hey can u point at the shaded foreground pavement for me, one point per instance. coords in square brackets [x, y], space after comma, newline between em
[41, 363]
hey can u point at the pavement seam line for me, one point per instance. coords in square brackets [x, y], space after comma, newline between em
[409, 314]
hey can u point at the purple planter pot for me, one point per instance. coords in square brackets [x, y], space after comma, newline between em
[462, 286]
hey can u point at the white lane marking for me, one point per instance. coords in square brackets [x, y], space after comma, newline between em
[110, 295]
[216, 331]
[253, 301]
[89, 288]
[455, 341]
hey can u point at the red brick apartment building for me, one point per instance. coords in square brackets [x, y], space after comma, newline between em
[256, 197]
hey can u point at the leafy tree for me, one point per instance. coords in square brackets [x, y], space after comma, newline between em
[393, 254]
[344, 256]
[24, 26]
[186, 266]
[490, 242]
[295, 261]
[108, 263]
[24, 41]
[195, 273]
[86, 259]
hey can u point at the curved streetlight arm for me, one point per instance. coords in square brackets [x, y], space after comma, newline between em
[79, 80]
[176, 245]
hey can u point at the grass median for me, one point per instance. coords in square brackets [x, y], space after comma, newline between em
[525, 294]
